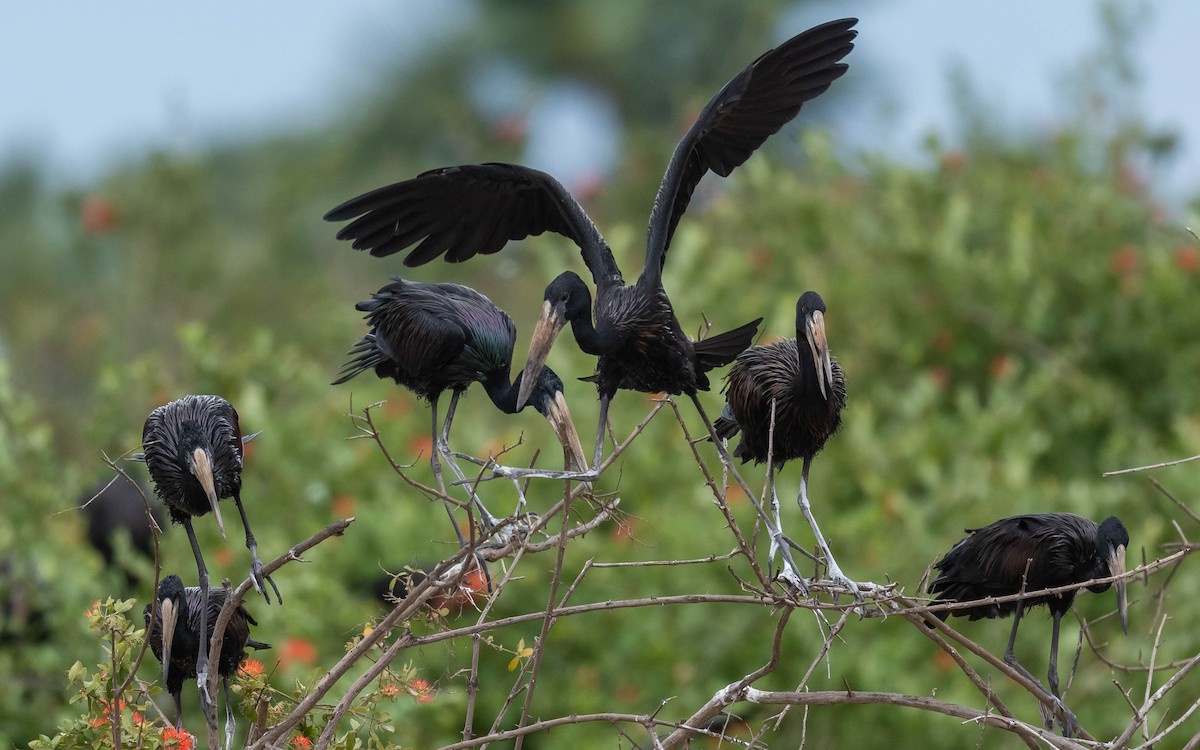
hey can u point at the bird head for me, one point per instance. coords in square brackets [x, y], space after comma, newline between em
[172, 604]
[1112, 541]
[810, 319]
[196, 455]
[548, 398]
[567, 299]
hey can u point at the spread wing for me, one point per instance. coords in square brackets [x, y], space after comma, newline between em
[755, 104]
[469, 210]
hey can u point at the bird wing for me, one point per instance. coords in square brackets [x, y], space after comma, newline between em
[755, 104]
[468, 210]
[1032, 548]
[416, 325]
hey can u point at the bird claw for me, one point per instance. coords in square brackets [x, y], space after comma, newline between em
[202, 683]
[793, 579]
[836, 576]
[509, 472]
[1066, 719]
[260, 581]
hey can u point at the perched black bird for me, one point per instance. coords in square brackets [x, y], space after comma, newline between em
[193, 451]
[431, 338]
[117, 508]
[476, 209]
[175, 639]
[805, 385]
[1031, 553]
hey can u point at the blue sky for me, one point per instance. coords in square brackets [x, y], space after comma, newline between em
[89, 84]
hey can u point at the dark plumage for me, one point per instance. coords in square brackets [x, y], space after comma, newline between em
[807, 387]
[476, 209]
[1030, 553]
[804, 380]
[431, 338]
[118, 508]
[193, 451]
[184, 611]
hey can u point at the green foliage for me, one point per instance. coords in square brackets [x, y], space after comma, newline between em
[1014, 318]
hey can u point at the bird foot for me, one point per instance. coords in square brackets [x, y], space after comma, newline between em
[202, 683]
[1060, 713]
[260, 580]
[836, 576]
[511, 472]
[512, 529]
[787, 572]
[793, 579]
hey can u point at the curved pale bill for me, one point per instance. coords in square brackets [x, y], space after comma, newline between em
[559, 417]
[814, 331]
[549, 324]
[202, 468]
[170, 615]
[1116, 566]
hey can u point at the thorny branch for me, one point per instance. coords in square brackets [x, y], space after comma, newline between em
[514, 538]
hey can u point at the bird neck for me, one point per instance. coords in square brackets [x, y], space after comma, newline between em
[589, 339]
[502, 393]
[807, 374]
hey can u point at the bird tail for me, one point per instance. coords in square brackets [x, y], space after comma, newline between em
[256, 645]
[720, 350]
[726, 426]
[367, 355]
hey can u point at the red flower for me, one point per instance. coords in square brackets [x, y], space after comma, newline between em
[251, 668]
[421, 691]
[300, 742]
[177, 738]
[106, 713]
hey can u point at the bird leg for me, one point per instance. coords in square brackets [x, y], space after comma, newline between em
[441, 446]
[835, 573]
[230, 724]
[779, 541]
[202, 654]
[1069, 724]
[436, 465]
[443, 440]
[598, 451]
[256, 566]
[178, 708]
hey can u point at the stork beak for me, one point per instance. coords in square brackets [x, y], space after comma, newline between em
[550, 323]
[559, 417]
[202, 468]
[814, 331]
[170, 615]
[1116, 566]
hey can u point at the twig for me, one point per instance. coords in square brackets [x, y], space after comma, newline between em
[1151, 466]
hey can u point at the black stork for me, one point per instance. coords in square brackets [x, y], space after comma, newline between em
[799, 385]
[1031, 553]
[476, 209]
[193, 452]
[431, 337]
[175, 639]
